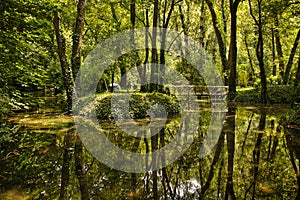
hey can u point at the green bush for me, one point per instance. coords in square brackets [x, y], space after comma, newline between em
[250, 95]
[281, 94]
[276, 94]
[139, 104]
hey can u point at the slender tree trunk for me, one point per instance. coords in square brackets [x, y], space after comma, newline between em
[65, 68]
[232, 58]
[221, 44]
[260, 51]
[153, 87]
[291, 58]
[77, 37]
[260, 55]
[166, 20]
[123, 70]
[144, 86]
[154, 65]
[279, 48]
[252, 75]
[69, 78]
[76, 63]
[68, 82]
[136, 56]
[297, 79]
[224, 18]
[274, 72]
[202, 24]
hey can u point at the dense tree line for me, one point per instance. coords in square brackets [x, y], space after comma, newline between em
[43, 43]
[253, 42]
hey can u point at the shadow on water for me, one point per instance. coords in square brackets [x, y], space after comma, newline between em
[255, 157]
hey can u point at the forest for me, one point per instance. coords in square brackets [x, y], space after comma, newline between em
[151, 73]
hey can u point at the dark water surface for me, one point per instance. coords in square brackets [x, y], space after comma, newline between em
[255, 158]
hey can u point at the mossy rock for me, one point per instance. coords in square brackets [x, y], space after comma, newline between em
[139, 104]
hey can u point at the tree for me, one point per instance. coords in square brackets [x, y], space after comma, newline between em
[260, 49]
[69, 78]
[221, 42]
[230, 63]
[27, 54]
[291, 58]
[232, 57]
[297, 79]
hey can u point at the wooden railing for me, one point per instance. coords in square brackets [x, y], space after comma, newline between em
[202, 92]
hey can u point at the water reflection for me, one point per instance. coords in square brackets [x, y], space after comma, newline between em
[255, 157]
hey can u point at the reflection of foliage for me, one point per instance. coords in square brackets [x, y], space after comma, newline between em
[293, 118]
[33, 162]
[29, 162]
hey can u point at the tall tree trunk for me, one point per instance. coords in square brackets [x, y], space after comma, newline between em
[221, 44]
[144, 86]
[291, 58]
[202, 21]
[76, 63]
[69, 78]
[279, 48]
[77, 37]
[166, 20]
[154, 56]
[136, 56]
[68, 82]
[260, 51]
[224, 18]
[252, 75]
[123, 70]
[297, 79]
[274, 72]
[153, 87]
[65, 68]
[232, 57]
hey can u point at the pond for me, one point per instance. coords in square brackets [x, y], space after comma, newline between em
[255, 157]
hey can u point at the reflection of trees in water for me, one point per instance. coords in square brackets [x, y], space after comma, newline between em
[257, 151]
[293, 144]
[248, 168]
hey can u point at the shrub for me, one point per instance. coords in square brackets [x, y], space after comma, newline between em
[139, 104]
[276, 94]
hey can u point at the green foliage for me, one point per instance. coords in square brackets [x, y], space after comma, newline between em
[293, 118]
[276, 94]
[281, 94]
[139, 104]
[250, 95]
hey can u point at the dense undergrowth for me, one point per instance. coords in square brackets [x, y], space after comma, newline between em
[139, 104]
[277, 94]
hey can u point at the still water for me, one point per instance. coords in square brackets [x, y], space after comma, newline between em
[255, 157]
